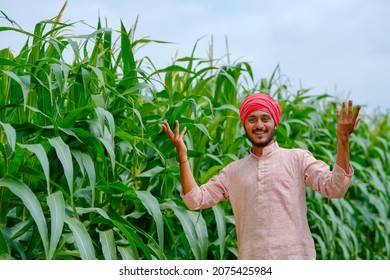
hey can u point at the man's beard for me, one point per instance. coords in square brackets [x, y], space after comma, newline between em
[263, 143]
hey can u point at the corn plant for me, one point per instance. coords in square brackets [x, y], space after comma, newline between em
[86, 171]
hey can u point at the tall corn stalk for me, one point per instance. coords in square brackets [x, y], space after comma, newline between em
[87, 173]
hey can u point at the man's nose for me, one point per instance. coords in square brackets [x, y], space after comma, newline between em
[259, 124]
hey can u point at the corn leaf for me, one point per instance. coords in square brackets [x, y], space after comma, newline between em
[40, 152]
[31, 202]
[65, 157]
[108, 244]
[82, 238]
[56, 204]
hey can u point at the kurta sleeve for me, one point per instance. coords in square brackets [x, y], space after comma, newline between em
[331, 184]
[209, 194]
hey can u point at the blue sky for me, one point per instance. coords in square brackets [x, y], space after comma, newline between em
[337, 46]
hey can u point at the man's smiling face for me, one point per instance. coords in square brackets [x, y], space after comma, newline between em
[260, 128]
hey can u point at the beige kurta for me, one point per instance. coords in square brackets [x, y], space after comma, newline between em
[268, 198]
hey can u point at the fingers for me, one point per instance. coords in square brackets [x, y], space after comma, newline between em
[183, 132]
[348, 119]
[167, 129]
[349, 109]
[177, 127]
[338, 113]
[357, 122]
[343, 110]
[348, 112]
[341, 113]
[356, 114]
[173, 135]
[177, 130]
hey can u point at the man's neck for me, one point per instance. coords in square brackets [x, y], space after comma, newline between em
[258, 151]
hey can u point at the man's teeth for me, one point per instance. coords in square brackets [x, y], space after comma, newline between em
[258, 132]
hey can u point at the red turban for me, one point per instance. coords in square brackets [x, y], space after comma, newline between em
[260, 101]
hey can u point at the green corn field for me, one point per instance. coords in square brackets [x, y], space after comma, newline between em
[86, 172]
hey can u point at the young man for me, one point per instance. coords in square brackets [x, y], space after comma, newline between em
[267, 188]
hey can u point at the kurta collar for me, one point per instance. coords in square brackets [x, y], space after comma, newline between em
[267, 150]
